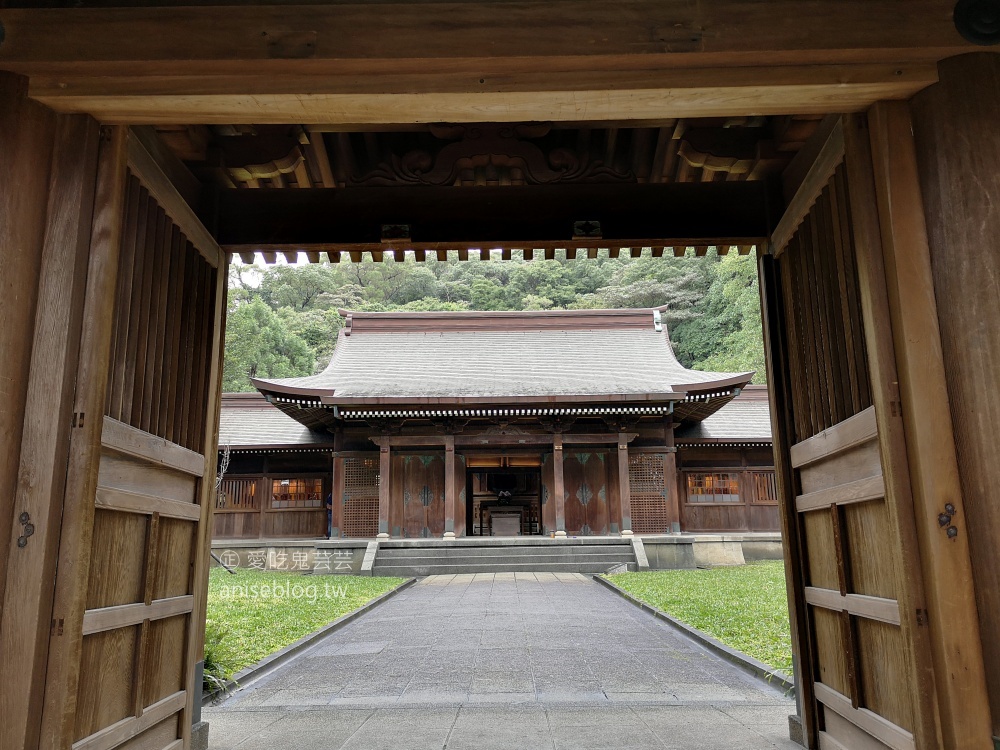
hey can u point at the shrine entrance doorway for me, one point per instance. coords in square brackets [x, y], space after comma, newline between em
[506, 496]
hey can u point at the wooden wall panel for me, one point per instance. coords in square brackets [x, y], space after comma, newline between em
[764, 518]
[174, 549]
[163, 661]
[108, 659]
[304, 524]
[954, 123]
[883, 668]
[704, 517]
[116, 573]
[236, 525]
[831, 660]
[874, 569]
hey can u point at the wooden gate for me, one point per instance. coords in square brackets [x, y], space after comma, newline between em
[864, 626]
[132, 570]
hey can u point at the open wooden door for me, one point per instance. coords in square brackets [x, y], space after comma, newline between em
[128, 617]
[857, 530]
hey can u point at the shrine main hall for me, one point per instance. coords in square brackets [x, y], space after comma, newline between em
[544, 423]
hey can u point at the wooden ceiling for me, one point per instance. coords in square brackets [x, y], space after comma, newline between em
[678, 150]
[580, 174]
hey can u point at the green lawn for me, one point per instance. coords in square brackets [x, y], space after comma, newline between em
[255, 613]
[745, 607]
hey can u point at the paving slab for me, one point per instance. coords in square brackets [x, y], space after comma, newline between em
[516, 660]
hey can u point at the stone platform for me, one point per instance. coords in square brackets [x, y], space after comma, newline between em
[420, 557]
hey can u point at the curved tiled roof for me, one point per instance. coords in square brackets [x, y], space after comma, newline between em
[247, 420]
[404, 357]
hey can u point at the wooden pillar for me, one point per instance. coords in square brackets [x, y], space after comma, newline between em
[559, 485]
[957, 153]
[449, 487]
[337, 488]
[901, 241]
[26, 138]
[384, 489]
[84, 449]
[48, 410]
[671, 478]
[624, 494]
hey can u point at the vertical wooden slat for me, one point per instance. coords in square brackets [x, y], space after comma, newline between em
[845, 276]
[154, 216]
[128, 367]
[85, 443]
[154, 379]
[173, 373]
[191, 305]
[184, 346]
[123, 297]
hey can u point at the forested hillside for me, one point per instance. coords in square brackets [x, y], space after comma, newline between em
[283, 320]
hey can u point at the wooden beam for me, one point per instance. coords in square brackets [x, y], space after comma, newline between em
[639, 59]
[830, 156]
[930, 444]
[342, 219]
[130, 441]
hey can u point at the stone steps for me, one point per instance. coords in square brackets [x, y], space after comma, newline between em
[557, 557]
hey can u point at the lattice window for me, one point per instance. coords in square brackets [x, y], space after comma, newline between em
[765, 487]
[297, 494]
[239, 494]
[713, 487]
[361, 497]
[647, 491]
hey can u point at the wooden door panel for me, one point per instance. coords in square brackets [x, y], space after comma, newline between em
[135, 645]
[852, 579]
[846, 510]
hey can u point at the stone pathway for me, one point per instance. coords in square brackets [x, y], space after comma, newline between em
[515, 660]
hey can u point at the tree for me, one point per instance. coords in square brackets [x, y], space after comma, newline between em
[258, 345]
[735, 298]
